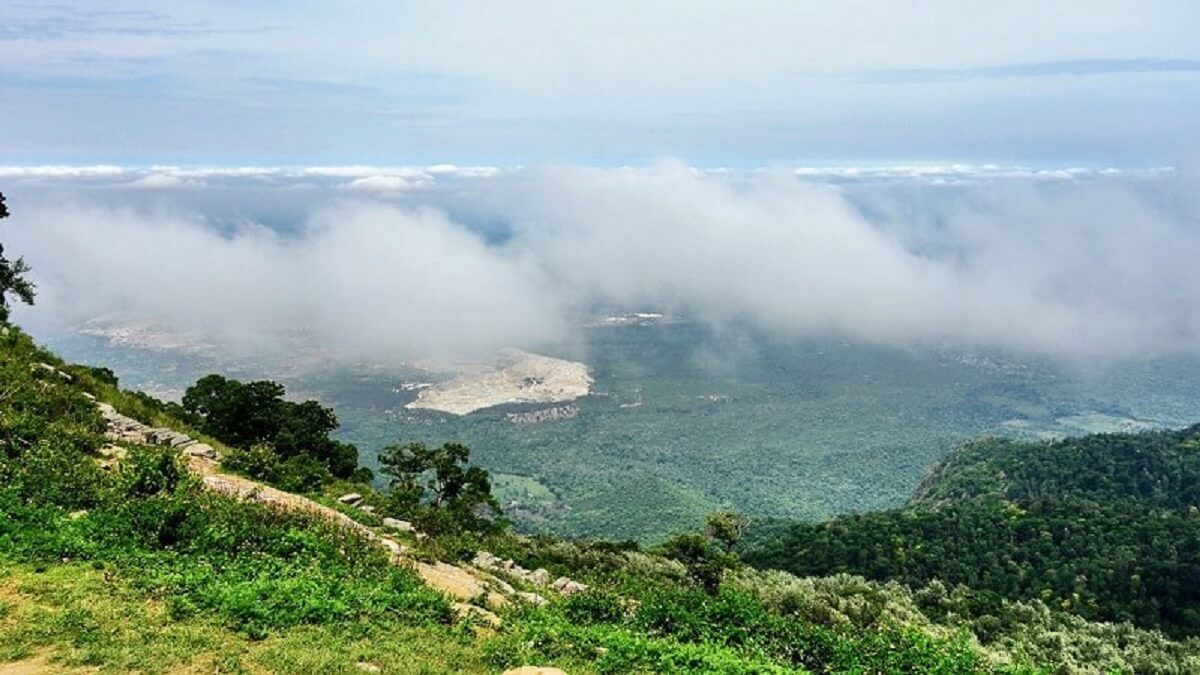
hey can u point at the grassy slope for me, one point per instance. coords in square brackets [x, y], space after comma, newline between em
[142, 570]
[70, 615]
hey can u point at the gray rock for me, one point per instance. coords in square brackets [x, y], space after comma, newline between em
[540, 576]
[351, 498]
[566, 586]
[398, 525]
[487, 560]
[201, 450]
[180, 440]
[531, 598]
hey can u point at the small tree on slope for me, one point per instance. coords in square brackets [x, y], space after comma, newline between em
[12, 277]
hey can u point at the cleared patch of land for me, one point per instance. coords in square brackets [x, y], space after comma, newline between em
[516, 377]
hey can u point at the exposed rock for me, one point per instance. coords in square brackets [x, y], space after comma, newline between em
[398, 525]
[463, 610]
[181, 440]
[502, 586]
[202, 450]
[52, 370]
[487, 560]
[367, 508]
[393, 547]
[452, 580]
[350, 499]
[531, 598]
[88, 396]
[367, 667]
[567, 586]
[541, 577]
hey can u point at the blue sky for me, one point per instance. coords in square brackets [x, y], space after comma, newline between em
[714, 83]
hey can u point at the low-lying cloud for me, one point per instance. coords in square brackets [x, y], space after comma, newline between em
[1087, 264]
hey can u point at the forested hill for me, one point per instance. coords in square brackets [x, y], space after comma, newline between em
[1103, 526]
[1160, 469]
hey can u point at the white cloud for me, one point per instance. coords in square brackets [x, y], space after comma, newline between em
[1076, 263]
[380, 184]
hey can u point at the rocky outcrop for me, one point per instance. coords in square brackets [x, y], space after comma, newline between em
[488, 561]
[398, 525]
[125, 429]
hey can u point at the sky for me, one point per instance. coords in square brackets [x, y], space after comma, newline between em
[407, 179]
[751, 83]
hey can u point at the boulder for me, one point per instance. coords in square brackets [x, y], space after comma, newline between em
[398, 525]
[201, 450]
[567, 586]
[351, 498]
[179, 440]
[531, 598]
[395, 548]
[540, 576]
[487, 560]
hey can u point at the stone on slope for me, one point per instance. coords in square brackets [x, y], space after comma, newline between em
[398, 525]
[201, 450]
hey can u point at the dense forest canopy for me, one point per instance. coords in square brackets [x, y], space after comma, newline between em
[1103, 526]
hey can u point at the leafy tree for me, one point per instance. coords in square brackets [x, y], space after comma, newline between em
[436, 487]
[706, 556]
[246, 414]
[727, 528]
[12, 277]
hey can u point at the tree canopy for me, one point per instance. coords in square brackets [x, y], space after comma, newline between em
[1106, 527]
[254, 415]
[12, 276]
[437, 488]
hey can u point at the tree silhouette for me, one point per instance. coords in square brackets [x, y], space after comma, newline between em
[12, 277]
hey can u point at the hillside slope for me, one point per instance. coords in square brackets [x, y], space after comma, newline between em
[1106, 527]
[124, 560]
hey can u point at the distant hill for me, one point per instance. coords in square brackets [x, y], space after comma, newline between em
[1104, 526]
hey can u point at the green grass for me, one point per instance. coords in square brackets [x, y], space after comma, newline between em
[70, 616]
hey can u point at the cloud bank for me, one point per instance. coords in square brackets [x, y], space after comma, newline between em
[453, 263]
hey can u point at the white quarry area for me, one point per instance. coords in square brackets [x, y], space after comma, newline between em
[515, 377]
[145, 335]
